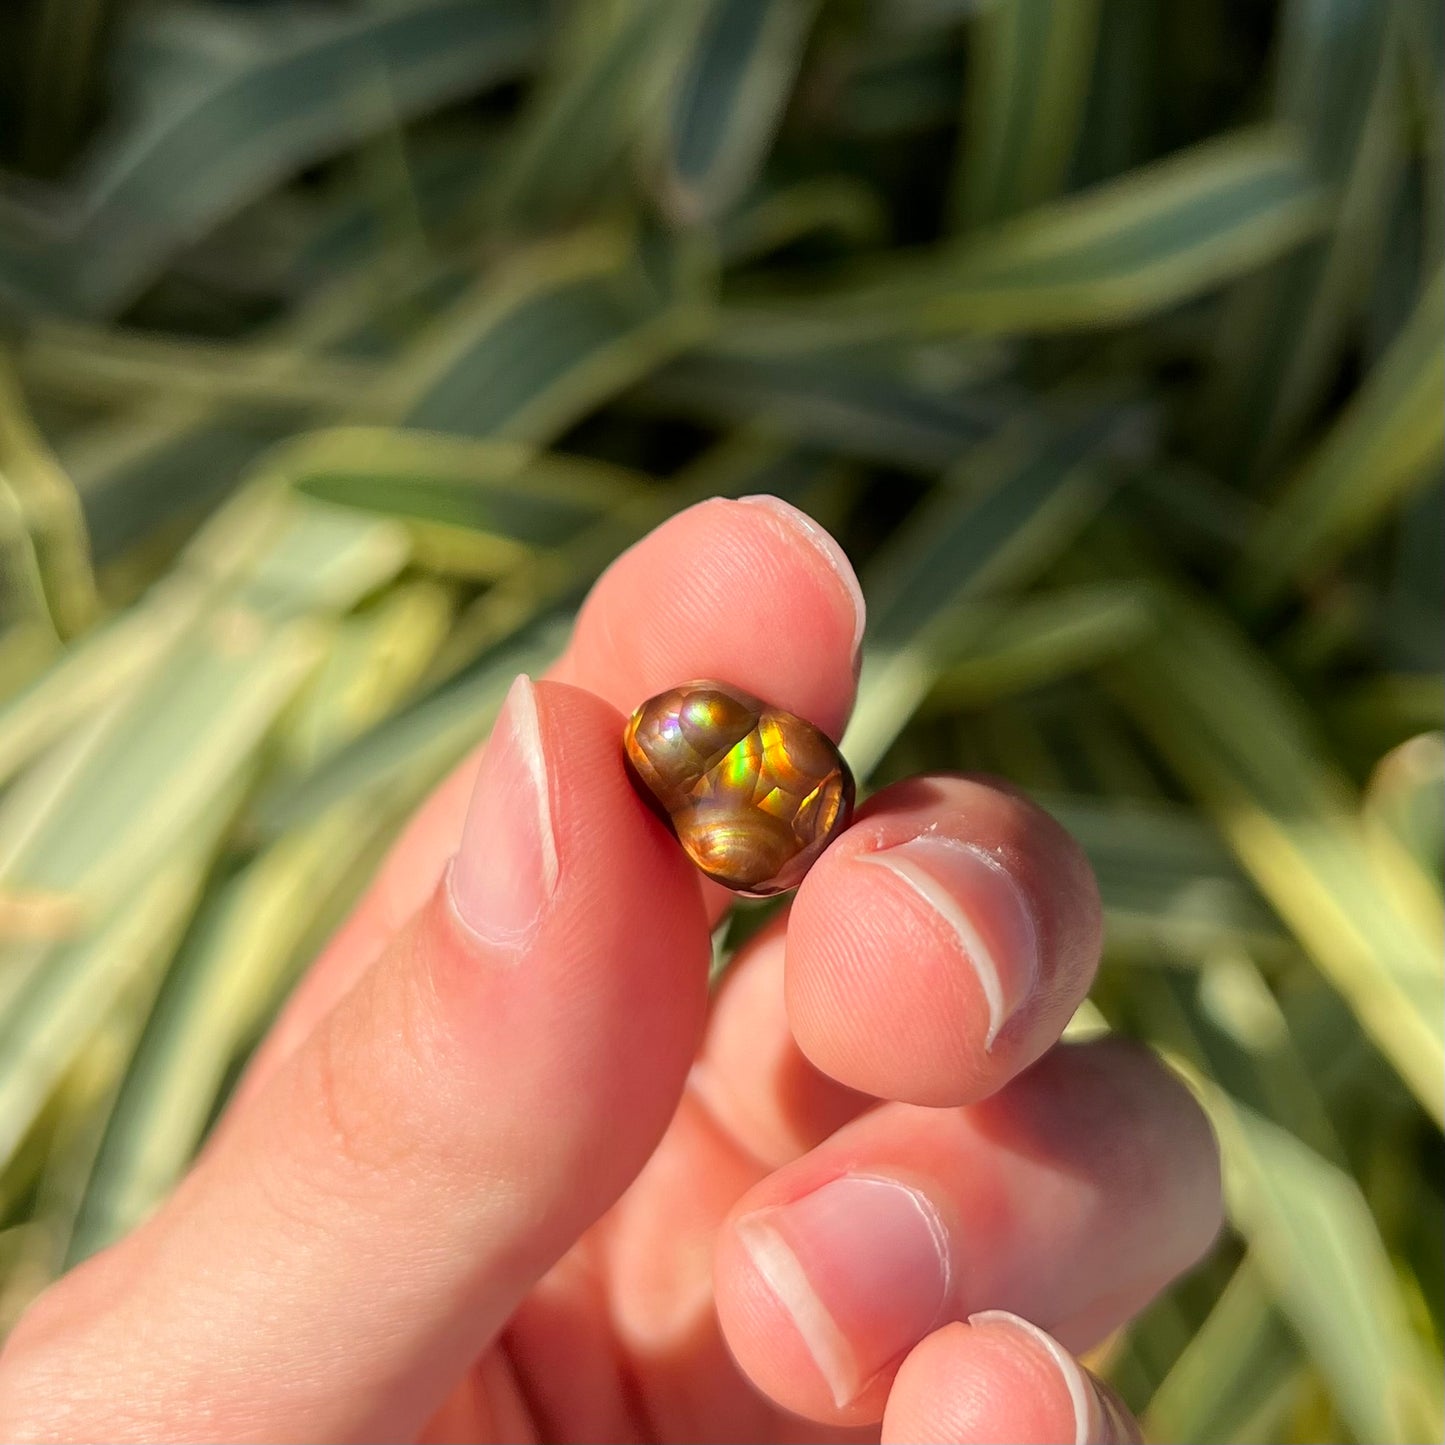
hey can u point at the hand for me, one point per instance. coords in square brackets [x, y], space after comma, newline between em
[501, 1173]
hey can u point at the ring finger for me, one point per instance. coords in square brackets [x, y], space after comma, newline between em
[1070, 1198]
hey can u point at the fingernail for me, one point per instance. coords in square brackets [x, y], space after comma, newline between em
[976, 896]
[1094, 1419]
[802, 525]
[861, 1266]
[505, 871]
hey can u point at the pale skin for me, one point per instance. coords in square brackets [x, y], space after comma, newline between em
[502, 1171]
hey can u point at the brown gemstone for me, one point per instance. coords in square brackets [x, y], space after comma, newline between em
[753, 793]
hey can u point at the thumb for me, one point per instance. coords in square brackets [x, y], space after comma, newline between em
[369, 1220]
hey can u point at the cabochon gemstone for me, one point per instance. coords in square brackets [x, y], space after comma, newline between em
[753, 793]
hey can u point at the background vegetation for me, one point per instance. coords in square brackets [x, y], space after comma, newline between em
[344, 344]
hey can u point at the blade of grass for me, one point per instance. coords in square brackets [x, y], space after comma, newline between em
[226, 103]
[1339, 87]
[1390, 439]
[1031, 496]
[419, 742]
[567, 325]
[865, 409]
[896, 83]
[1028, 82]
[376, 658]
[728, 101]
[50, 512]
[1118, 128]
[88, 827]
[1404, 803]
[1234, 736]
[23, 597]
[93, 831]
[95, 364]
[500, 489]
[1242, 1358]
[1313, 1239]
[131, 470]
[776, 217]
[54, 1014]
[1123, 250]
[90, 674]
[1000, 649]
[610, 74]
[1172, 891]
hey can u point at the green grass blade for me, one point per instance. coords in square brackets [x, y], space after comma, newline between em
[130, 470]
[91, 832]
[503, 490]
[565, 327]
[1000, 649]
[1120, 251]
[50, 512]
[88, 825]
[1240, 1361]
[775, 217]
[1235, 738]
[377, 658]
[1028, 81]
[611, 74]
[728, 101]
[1035, 496]
[1314, 1241]
[859, 407]
[1389, 440]
[213, 1002]
[897, 84]
[1339, 87]
[417, 745]
[90, 673]
[26, 604]
[1172, 891]
[61, 1004]
[225, 104]
[1405, 802]
[94, 364]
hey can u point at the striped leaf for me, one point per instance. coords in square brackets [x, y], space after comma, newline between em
[964, 545]
[1120, 251]
[1030, 63]
[1389, 440]
[565, 327]
[1339, 87]
[727, 102]
[226, 103]
[1235, 738]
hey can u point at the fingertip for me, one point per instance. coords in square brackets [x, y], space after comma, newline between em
[751, 592]
[1000, 1378]
[941, 945]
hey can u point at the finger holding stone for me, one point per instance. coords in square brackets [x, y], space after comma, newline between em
[942, 943]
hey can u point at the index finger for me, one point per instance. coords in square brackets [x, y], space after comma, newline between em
[752, 592]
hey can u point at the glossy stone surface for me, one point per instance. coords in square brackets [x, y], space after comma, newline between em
[753, 793]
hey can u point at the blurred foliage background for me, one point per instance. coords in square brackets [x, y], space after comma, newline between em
[345, 343]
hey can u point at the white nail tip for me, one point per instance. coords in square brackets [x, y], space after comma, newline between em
[520, 709]
[975, 947]
[779, 1269]
[1081, 1393]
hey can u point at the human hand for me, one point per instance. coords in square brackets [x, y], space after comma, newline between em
[501, 1173]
